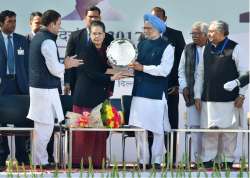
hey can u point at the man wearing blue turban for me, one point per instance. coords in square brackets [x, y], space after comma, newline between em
[149, 104]
[176, 38]
[156, 22]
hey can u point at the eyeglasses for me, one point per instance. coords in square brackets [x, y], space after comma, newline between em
[93, 17]
[96, 33]
[195, 33]
[147, 28]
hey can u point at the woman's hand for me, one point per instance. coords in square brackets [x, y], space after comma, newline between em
[136, 66]
[117, 76]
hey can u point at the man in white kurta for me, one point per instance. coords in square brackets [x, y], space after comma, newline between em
[45, 73]
[191, 57]
[146, 111]
[219, 108]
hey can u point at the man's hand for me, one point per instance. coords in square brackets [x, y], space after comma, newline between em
[136, 66]
[70, 62]
[197, 103]
[238, 102]
[67, 89]
[186, 95]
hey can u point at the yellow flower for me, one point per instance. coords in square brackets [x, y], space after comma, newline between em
[110, 114]
[108, 108]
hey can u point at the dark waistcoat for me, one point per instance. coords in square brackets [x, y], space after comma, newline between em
[145, 85]
[39, 75]
[190, 66]
[219, 68]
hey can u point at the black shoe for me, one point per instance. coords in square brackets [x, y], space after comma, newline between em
[148, 166]
[208, 164]
[228, 165]
[46, 166]
[211, 164]
[157, 166]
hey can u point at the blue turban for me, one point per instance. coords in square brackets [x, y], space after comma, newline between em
[156, 22]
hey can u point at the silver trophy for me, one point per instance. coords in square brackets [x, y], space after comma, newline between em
[121, 53]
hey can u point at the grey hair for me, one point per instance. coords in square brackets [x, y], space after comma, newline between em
[202, 26]
[221, 26]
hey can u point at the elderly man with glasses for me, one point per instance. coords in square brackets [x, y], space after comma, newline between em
[191, 57]
[219, 108]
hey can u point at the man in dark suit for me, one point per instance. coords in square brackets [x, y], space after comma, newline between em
[175, 37]
[35, 24]
[13, 74]
[78, 41]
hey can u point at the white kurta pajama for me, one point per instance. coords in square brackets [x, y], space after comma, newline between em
[45, 105]
[152, 114]
[219, 114]
[193, 116]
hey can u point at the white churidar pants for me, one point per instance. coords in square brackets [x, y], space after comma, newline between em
[218, 146]
[158, 148]
[42, 136]
[193, 122]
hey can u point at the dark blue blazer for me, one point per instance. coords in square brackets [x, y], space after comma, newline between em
[21, 63]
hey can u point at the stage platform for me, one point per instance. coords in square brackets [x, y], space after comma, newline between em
[127, 174]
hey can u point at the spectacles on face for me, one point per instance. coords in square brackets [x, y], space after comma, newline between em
[211, 31]
[94, 17]
[147, 28]
[10, 21]
[195, 33]
[97, 33]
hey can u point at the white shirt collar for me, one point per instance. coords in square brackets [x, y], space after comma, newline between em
[200, 47]
[6, 35]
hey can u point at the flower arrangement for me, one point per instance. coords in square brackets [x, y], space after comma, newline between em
[83, 120]
[78, 120]
[111, 118]
[103, 115]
